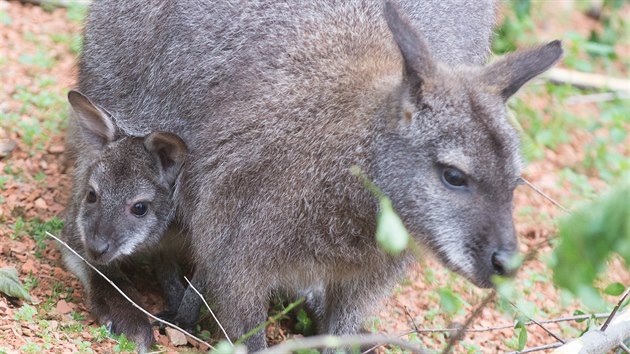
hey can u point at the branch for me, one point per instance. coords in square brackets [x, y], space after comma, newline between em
[614, 311]
[460, 333]
[539, 348]
[596, 341]
[125, 295]
[327, 341]
[58, 3]
[586, 80]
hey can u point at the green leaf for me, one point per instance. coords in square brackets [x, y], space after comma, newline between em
[522, 338]
[223, 347]
[391, 234]
[615, 289]
[579, 313]
[587, 238]
[10, 284]
[449, 302]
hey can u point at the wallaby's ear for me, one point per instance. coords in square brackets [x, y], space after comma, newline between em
[509, 73]
[170, 150]
[96, 123]
[419, 65]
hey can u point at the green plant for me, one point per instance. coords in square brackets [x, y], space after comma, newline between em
[587, 238]
[123, 345]
[304, 324]
[25, 313]
[514, 28]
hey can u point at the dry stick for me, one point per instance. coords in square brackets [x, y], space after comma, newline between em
[210, 310]
[327, 341]
[539, 324]
[614, 311]
[496, 328]
[624, 347]
[587, 80]
[597, 97]
[460, 333]
[125, 295]
[539, 191]
[537, 349]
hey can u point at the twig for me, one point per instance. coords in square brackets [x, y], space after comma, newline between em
[614, 311]
[125, 295]
[460, 333]
[538, 324]
[539, 191]
[210, 310]
[497, 328]
[537, 349]
[327, 341]
[597, 97]
[273, 319]
[624, 347]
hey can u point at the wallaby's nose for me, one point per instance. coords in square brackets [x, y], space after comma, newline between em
[501, 263]
[98, 247]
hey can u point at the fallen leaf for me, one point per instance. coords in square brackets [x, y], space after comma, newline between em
[64, 307]
[10, 284]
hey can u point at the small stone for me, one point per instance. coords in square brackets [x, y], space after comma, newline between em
[53, 325]
[6, 146]
[56, 149]
[28, 266]
[176, 337]
[63, 307]
[41, 203]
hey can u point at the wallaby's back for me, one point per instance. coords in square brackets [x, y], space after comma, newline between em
[187, 57]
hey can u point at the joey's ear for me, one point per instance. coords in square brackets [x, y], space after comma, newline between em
[96, 123]
[419, 65]
[509, 73]
[170, 150]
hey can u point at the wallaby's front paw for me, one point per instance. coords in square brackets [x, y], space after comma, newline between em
[134, 325]
[139, 332]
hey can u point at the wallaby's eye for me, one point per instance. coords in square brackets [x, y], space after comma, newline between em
[90, 197]
[453, 177]
[139, 209]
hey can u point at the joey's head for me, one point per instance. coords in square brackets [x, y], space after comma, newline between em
[448, 155]
[127, 199]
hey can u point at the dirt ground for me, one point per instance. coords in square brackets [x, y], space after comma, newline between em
[40, 190]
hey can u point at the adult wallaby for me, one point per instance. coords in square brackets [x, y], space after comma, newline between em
[278, 99]
[122, 207]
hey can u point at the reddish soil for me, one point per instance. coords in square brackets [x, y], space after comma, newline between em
[30, 196]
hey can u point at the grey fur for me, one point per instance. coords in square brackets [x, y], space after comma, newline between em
[113, 172]
[277, 99]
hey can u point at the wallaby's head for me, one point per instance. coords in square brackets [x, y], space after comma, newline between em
[449, 158]
[127, 200]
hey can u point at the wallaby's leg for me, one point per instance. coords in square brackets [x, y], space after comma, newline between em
[109, 307]
[240, 310]
[169, 276]
[190, 304]
[349, 301]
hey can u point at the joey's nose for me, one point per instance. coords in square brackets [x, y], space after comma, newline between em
[98, 247]
[502, 264]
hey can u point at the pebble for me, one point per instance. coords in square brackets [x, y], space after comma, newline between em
[176, 337]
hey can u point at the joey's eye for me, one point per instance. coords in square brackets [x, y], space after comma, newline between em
[453, 177]
[139, 209]
[90, 197]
